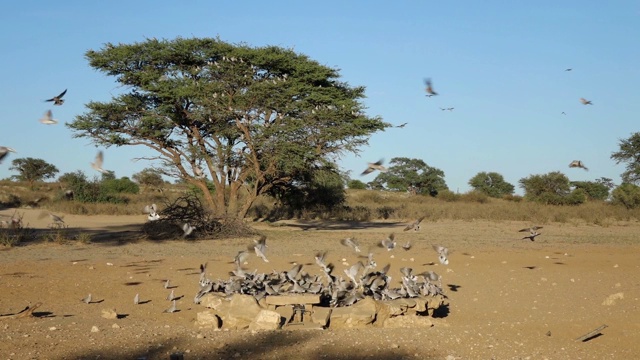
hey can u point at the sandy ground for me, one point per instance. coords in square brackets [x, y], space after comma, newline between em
[509, 298]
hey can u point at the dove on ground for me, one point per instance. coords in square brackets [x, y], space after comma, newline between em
[173, 308]
[136, 299]
[171, 296]
[87, 299]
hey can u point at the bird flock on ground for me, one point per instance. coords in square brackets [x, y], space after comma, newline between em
[357, 281]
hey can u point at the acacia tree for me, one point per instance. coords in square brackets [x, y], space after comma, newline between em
[149, 178]
[413, 175]
[630, 154]
[552, 188]
[32, 170]
[491, 183]
[249, 117]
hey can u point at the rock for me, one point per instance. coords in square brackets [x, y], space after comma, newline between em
[208, 319]
[242, 310]
[115, 326]
[320, 315]
[267, 320]
[408, 321]
[611, 299]
[359, 315]
[109, 314]
[286, 311]
[95, 329]
[213, 300]
[293, 299]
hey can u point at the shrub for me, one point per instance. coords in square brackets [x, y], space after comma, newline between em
[627, 195]
[356, 184]
[448, 195]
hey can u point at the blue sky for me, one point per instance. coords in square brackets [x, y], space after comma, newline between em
[500, 64]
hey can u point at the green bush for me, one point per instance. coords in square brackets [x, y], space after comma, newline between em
[627, 195]
[123, 185]
[356, 184]
[448, 195]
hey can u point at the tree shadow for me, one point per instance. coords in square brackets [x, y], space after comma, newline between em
[278, 344]
[306, 225]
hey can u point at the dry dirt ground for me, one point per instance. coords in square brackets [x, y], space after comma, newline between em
[509, 298]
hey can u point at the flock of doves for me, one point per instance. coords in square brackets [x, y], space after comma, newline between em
[48, 119]
[360, 280]
[430, 92]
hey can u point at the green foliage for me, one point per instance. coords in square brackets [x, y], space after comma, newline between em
[627, 195]
[32, 170]
[413, 175]
[593, 190]
[123, 185]
[317, 189]
[149, 178]
[98, 191]
[356, 184]
[491, 184]
[630, 154]
[553, 188]
[253, 118]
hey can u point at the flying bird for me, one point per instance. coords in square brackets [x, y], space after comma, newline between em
[374, 166]
[350, 242]
[531, 229]
[414, 225]
[4, 151]
[532, 235]
[97, 165]
[260, 248]
[585, 101]
[563, 113]
[450, 109]
[152, 211]
[578, 164]
[402, 125]
[443, 254]
[569, 69]
[389, 243]
[407, 246]
[187, 229]
[58, 100]
[48, 119]
[429, 88]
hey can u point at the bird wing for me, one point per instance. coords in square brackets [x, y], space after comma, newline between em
[62, 94]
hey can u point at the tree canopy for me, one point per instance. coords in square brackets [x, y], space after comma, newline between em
[32, 170]
[491, 184]
[552, 188]
[250, 118]
[413, 175]
[630, 154]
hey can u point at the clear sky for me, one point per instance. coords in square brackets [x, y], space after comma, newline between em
[500, 64]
